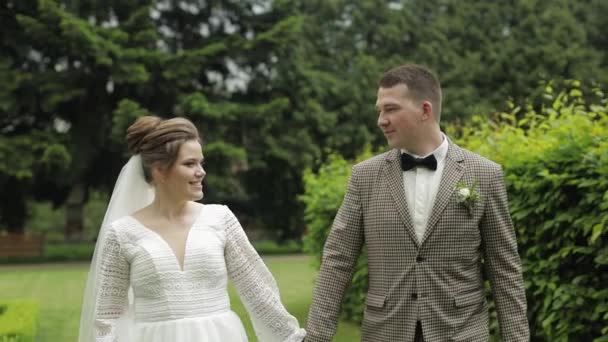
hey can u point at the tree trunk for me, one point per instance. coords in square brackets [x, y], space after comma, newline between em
[13, 209]
[74, 225]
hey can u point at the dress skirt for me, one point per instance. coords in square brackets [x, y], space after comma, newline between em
[223, 327]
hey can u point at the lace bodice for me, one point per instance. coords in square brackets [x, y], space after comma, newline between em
[216, 250]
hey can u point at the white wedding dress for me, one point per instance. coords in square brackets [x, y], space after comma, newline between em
[172, 304]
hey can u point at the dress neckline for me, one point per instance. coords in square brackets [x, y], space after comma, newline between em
[181, 267]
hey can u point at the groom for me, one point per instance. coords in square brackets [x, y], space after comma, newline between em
[434, 217]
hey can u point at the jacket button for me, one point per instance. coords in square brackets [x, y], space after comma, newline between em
[414, 296]
[420, 259]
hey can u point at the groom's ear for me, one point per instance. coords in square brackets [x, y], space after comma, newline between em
[427, 110]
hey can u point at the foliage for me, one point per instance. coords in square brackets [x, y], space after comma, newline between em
[329, 74]
[94, 209]
[83, 251]
[555, 162]
[47, 219]
[18, 320]
[484, 52]
[266, 82]
[56, 252]
[81, 73]
[324, 191]
[23, 157]
[72, 251]
[270, 247]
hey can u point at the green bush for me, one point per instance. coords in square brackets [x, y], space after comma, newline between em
[94, 210]
[57, 252]
[18, 321]
[83, 251]
[555, 157]
[270, 247]
[44, 218]
[69, 251]
[323, 194]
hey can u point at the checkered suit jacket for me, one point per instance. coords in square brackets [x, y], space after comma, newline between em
[438, 281]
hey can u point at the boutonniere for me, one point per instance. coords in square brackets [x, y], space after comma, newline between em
[467, 195]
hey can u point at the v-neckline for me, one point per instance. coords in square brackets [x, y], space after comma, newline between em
[181, 267]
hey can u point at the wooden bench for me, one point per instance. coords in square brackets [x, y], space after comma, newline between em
[21, 245]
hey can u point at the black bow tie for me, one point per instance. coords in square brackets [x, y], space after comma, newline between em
[409, 162]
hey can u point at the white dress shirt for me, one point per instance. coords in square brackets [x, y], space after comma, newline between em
[421, 186]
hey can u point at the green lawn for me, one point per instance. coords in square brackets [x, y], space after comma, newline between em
[58, 288]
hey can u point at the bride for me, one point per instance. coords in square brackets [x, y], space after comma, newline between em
[162, 261]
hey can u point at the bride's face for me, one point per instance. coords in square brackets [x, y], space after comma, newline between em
[184, 179]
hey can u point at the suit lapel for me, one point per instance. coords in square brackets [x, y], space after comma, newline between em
[452, 172]
[394, 176]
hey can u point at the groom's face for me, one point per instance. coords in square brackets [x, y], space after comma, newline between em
[399, 116]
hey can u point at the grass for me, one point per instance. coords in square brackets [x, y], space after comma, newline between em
[58, 289]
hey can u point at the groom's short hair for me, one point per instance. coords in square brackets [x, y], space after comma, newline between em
[421, 82]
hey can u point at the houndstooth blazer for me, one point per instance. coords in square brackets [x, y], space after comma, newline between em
[438, 281]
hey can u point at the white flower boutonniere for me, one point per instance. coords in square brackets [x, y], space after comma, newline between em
[467, 196]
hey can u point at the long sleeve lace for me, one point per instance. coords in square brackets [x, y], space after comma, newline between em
[257, 288]
[113, 285]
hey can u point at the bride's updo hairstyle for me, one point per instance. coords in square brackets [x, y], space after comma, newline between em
[158, 141]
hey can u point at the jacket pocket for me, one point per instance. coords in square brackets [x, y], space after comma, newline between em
[465, 299]
[375, 301]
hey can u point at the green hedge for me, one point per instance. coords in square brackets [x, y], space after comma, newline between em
[556, 167]
[323, 194]
[555, 157]
[83, 251]
[18, 321]
[57, 252]
[270, 247]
